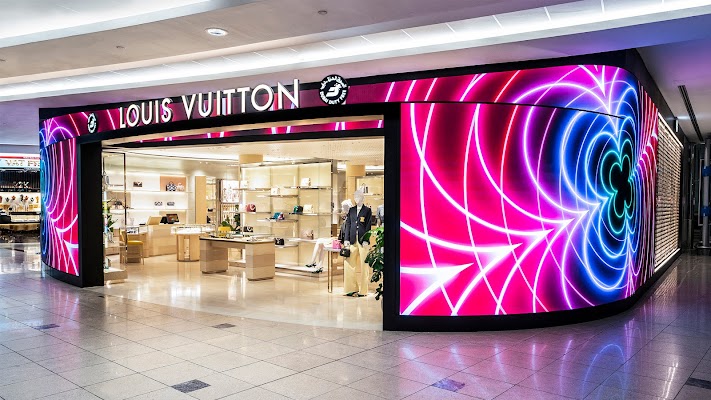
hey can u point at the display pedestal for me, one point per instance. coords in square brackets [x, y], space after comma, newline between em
[115, 274]
[258, 256]
[188, 245]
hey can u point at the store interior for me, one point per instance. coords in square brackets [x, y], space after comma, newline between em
[244, 229]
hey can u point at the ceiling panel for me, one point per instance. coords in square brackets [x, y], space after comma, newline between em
[367, 151]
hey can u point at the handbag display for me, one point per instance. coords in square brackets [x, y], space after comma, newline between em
[158, 203]
[171, 187]
[345, 252]
[307, 234]
[180, 187]
[138, 184]
[308, 209]
[248, 229]
[278, 216]
[298, 209]
[274, 191]
[250, 208]
[170, 203]
[279, 241]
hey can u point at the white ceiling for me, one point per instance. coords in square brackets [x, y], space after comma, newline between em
[265, 30]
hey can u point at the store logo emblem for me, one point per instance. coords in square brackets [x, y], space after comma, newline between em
[93, 123]
[333, 90]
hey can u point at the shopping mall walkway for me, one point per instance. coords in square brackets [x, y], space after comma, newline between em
[68, 343]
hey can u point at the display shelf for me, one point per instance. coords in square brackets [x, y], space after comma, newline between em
[313, 214]
[310, 187]
[285, 246]
[134, 191]
[165, 208]
[254, 212]
[302, 240]
[276, 220]
[284, 196]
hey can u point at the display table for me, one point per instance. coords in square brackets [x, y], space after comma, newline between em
[188, 245]
[160, 240]
[258, 256]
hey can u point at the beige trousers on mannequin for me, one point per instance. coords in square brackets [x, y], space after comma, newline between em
[356, 273]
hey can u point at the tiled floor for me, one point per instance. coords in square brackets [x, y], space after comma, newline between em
[59, 342]
[163, 280]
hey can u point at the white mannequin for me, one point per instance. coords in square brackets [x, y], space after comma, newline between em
[319, 253]
[356, 272]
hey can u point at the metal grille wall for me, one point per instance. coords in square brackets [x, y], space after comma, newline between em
[666, 233]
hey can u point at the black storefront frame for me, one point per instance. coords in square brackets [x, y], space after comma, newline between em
[89, 186]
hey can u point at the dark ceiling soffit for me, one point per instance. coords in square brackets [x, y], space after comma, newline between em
[690, 111]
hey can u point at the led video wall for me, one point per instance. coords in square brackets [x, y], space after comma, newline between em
[59, 237]
[544, 203]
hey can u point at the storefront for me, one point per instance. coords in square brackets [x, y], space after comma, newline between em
[517, 195]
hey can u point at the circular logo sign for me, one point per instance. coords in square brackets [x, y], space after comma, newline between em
[93, 123]
[333, 90]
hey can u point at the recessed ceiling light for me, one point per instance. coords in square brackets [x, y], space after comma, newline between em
[322, 12]
[216, 31]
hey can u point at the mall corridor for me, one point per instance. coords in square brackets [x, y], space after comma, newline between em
[67, 343]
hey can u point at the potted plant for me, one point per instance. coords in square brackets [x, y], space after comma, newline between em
[376, 259]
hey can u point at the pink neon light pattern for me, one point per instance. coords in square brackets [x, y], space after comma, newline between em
[511, 209]
[60, 230]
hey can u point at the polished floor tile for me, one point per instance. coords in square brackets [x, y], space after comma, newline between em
[110, 345]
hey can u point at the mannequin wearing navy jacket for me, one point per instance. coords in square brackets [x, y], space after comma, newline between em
[356, 274]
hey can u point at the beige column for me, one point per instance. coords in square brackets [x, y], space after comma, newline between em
[200, 199]
[251, 158]
[353, 172]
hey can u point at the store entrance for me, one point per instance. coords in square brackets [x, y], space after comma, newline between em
[248, 229]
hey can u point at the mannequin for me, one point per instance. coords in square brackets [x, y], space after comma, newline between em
[356, 272]
[319, 253]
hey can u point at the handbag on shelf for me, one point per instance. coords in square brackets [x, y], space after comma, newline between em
[180, 187]
[298, 209]
[171, 187]
[308, 209]
[278, 216]
[248, 229]
[138, 184]
[158, 203]
[250, 208]
[279, 241]
[307, 234]
[170, 204]
[274, 191]
[345, 252]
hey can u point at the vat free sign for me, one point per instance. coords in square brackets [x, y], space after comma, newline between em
[203, 105]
